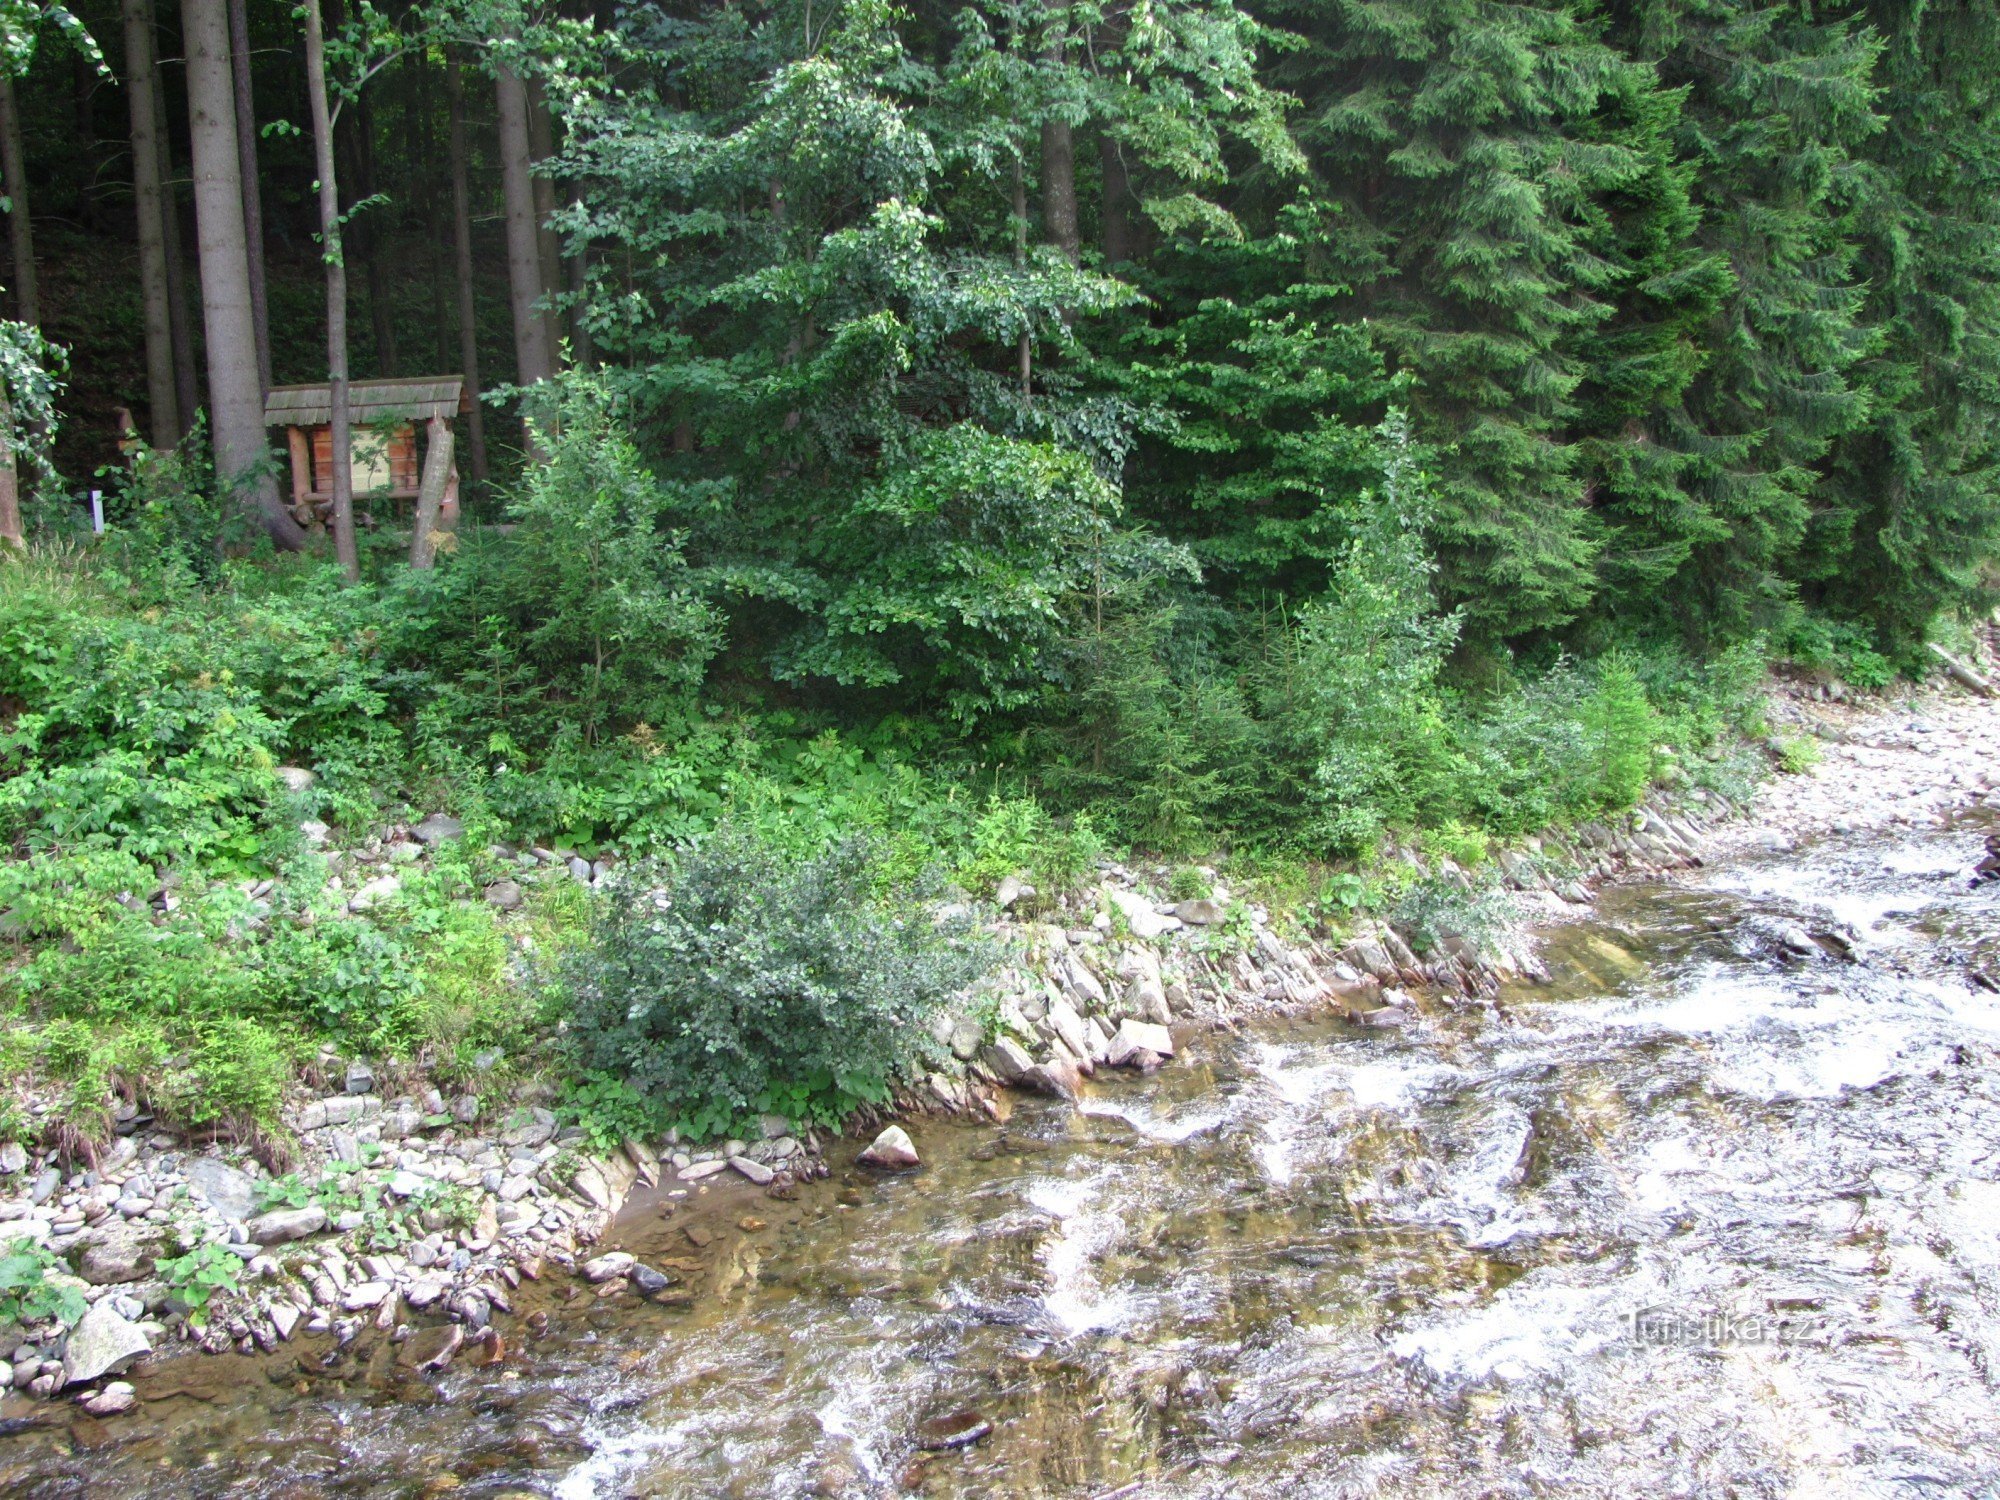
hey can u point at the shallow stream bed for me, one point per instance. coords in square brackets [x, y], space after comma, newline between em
[1706, 1216]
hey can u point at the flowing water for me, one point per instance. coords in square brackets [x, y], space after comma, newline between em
[1702, 1217]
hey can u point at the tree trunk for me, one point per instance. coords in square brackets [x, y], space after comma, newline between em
[579, 284]
[1026, 348]
[1059, 187]
[421, 144]
[461, 226]
[20, 233]
[430, 519]
[1117, 210]
[542, 146]
[141, 86]
[10, 482]
[187, 382]
[532, 360]
[236, 402]
[253, 201]
[336, 297]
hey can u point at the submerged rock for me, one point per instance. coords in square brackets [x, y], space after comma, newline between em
[959, 1430]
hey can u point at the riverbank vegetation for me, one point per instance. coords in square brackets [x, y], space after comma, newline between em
[975, 441]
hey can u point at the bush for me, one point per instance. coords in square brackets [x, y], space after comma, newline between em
[743, 979]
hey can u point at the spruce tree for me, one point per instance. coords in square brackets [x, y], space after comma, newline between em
[1460, 138]
[1912, 508]
[1779, 102]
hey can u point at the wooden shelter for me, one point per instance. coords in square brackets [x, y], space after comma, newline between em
[384, 415]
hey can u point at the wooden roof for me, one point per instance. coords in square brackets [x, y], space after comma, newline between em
[368, 401]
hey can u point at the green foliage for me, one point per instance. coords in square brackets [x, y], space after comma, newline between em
[743, 980]
[26, 1293]
[197, 1275]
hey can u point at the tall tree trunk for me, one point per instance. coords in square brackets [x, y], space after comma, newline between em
[580, 346]
[236, 402]
[187, 381]
[246, 166]
[1026, 348]
[542, 146]
[532, 360]
[336, 297]
[141, 85]
[20, 233]
[461, 227]
[1117, 206]
[1059, 187]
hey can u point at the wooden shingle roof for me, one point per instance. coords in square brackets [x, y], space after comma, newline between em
[368, 401]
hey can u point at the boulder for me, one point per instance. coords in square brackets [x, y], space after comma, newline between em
[1013, 889]
[1201, 913]
[1140, 915]
[438, 828]
[1135, 1037]
[101, 1344]
[1058, 1078]
[432, 1348]
[611, 1264]
[13, 1158]
[282, 1226]
[224, 1188]
[892, 1150]
[121, 1255]
[504, 895]
[1008, 1059]
[529, 1129]
[966, 1035]
[297, 779]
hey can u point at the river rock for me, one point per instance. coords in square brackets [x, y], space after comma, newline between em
[224, 1188]
[438, 828]
[959, 1430]
[1201, 912]
[892, 1150]
[606, 1266]
[504, 895]
[122, 1255]
[1008, 1059]
[116, 1397]
[13, 1158]
[364, 1295]
[1013, 889]
[966, 1035]
[432, 1348]
[530, 1129]
[297, 779]
[101, 1344]
[756, 1171]
[1139, 1036]
[283, 1225]
[1140, 915]
[695, 1171]
[1059, 1078]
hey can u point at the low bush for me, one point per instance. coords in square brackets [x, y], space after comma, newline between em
[742, 978]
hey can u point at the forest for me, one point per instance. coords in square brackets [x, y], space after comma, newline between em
[1284, 434]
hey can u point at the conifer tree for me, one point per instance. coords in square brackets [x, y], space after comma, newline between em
[1912, 504]
[1460, 138]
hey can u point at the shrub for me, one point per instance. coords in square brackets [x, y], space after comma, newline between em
[26, 1293]
[745, 979]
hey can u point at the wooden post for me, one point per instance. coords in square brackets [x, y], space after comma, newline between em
[438, 472]
[301, 448]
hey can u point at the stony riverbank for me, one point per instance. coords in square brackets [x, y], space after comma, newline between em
[418, 1219]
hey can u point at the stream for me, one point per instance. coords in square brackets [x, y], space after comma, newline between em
[1710, 1214]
